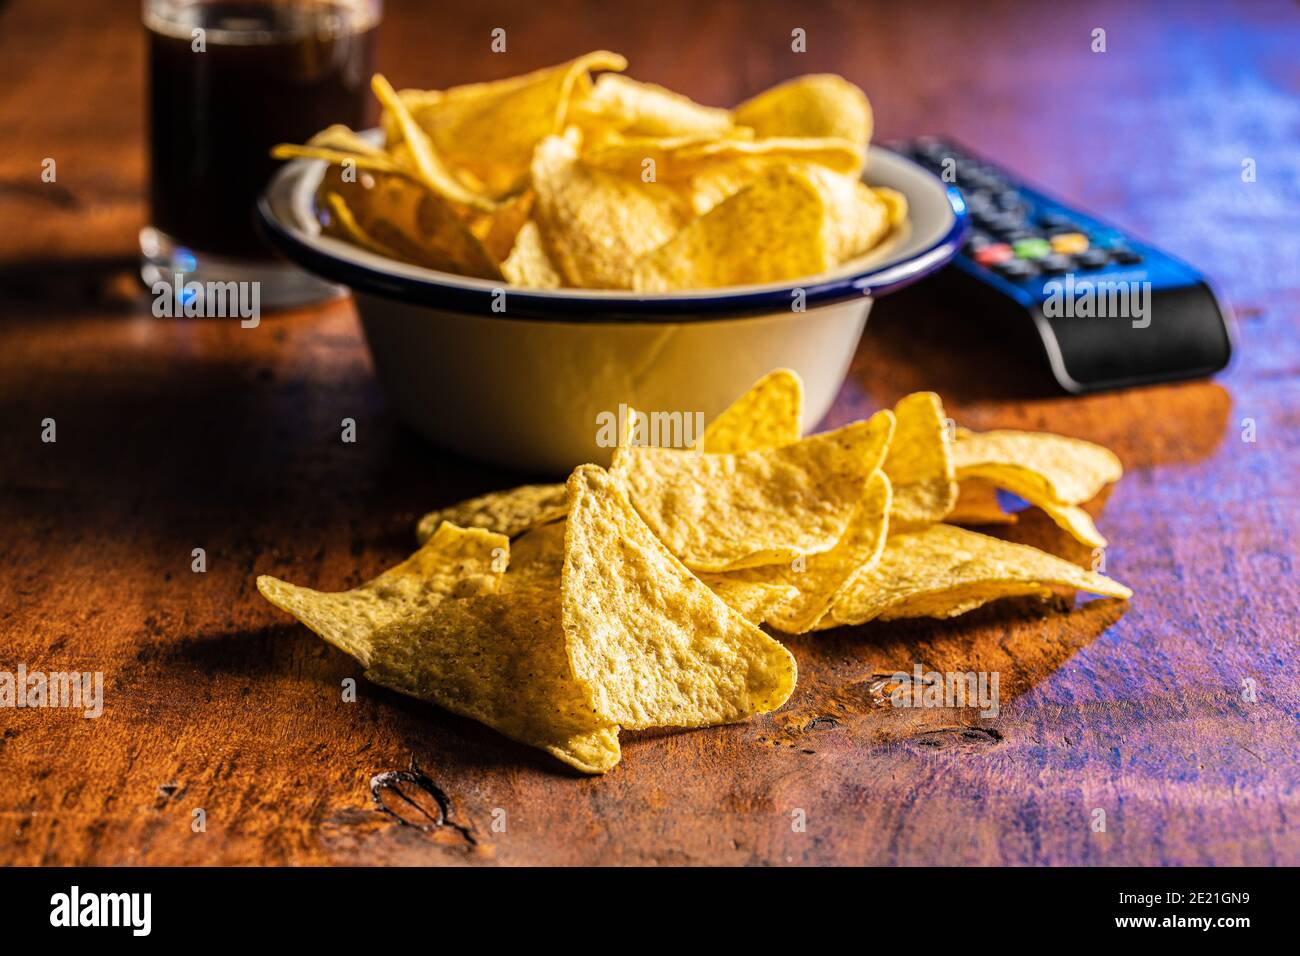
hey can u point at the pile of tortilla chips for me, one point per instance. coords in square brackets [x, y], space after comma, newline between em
[633, 597]
[558, 179]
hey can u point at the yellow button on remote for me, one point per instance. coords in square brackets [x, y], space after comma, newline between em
[1069, 243]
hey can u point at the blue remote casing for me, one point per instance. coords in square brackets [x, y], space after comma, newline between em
[1110, 310]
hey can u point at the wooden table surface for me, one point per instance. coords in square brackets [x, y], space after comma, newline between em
[177, 434]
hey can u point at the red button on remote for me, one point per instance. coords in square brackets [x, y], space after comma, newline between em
[992, 255]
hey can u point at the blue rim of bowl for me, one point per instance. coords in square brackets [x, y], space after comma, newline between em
[554, 306]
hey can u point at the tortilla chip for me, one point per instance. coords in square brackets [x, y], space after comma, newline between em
[768, 415]
[595, 225]
[509, 512]
[528, 265]
[343, 225]
[755, 601]
[814, 105]
[455, 562]
[657, 647]
[491, 129]
[428, 165]
[977, 503]
[774, 229]
[820, 577]
[895, 204]
[447, 627]
[644, 109]
[339, 157]
[683, 157]
[1069, 470]
[857, 219]
[499, 229]
[943, 570]
[724, 512]
[920, 463]
[413, 224]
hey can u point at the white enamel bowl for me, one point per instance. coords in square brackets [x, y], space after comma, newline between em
[524, 388]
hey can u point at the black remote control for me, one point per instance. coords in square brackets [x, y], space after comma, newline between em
[1110, 310]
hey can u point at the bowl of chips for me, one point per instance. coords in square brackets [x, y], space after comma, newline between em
[530, 255]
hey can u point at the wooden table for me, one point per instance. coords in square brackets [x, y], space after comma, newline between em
[174, 435]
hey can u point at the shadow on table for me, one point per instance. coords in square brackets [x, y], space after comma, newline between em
[848, 676]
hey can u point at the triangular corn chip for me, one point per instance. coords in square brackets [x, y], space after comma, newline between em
[509, 512]
[657, 647]
[595, 225]
[920, 463]
[942, 570]
[644, 109]
[528, 265]
[819, 104]
[977, 503]
[416, 225]
[768, 415]
[820, 577]
[491, 129]
[1070, 470]
[776, 228]
[724, 512]
[450, 625]
[429, 166]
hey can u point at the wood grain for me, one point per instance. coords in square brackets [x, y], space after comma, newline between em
[174, 435]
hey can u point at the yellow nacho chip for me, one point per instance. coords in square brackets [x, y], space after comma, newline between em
[644, 109]
[895, 204]
[819, 104]
[776, 228]
[450, 625]
[343, 225]
[528, 264]
[414, 224]
[657, 647]
[943, 570]
[1070, 470]
[752, 600]
[684, 157]
[491, 129]
[509, 512]
[820, 577]
[595, 225]
[768, 415]
[977, 503]
[339, 157]
[724, 512]
[920, 463]
[454, 563]
[428, 165]
[857, 219]
[1071, 518]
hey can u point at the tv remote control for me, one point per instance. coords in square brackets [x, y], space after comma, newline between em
[1110, 310]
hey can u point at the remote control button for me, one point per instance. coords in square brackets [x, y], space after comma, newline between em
[1056, 220]
[1016, 269]
[993, 254]
[975, 242]
[1092, 259]
[1031, 248]
[1069, 243]
[1125, 256]
[1055, 264]
[1005, 222]
[1009, 200]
